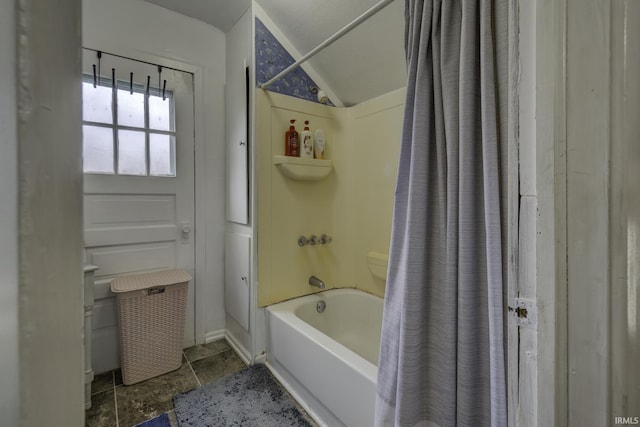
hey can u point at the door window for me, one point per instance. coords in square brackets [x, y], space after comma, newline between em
[127, 129]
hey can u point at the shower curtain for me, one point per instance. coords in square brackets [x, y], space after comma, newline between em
[442, 360]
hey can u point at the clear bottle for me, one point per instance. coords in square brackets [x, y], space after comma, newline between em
[306, 142]
[319, 144]
[291, 141]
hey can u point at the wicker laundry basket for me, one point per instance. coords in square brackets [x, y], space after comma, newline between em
[151, 313]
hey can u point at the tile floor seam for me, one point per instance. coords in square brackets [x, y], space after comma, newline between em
[184, 354]
[194, 374]
[115, 397]
[218, 352]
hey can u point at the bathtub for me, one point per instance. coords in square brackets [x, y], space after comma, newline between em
[328, 360]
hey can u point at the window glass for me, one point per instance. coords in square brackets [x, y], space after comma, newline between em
[97, 151]
[160, 117]
[161, 155]
[96, 103]
[144, 128]
[130, 108]
[132, 156]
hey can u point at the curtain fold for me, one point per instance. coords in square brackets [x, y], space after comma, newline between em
[442, 349]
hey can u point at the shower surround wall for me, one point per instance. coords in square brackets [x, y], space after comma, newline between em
[288, 208]
[353, 204]
[375, 129]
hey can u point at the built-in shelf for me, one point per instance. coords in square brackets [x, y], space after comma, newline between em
[303, 169]
[378, 264]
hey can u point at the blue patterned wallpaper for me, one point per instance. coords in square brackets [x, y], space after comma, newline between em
[271, 58]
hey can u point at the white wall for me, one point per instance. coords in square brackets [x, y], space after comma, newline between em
[9, 363]
[50, 214]
[140, 30]
[588, 136]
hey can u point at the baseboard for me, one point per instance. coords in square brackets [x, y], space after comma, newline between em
[244, 354]
[260, 359]
[214, 336]
[238, 348]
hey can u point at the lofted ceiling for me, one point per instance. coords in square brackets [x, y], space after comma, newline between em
[222, 14]
[366, 63]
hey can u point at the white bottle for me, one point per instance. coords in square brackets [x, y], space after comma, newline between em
[306, 142]
[319, 144]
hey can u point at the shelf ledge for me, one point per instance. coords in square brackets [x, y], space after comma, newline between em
[303, 169]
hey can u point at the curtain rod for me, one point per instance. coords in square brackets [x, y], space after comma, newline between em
[347, 28]
[136, 60]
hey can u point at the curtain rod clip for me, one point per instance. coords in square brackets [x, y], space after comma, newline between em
[99, 54]
[159, 76]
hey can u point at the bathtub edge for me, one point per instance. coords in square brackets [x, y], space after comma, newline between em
[286, 380]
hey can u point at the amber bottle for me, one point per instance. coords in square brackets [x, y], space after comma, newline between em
[291, 141]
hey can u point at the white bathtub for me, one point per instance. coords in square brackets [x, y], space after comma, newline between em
[328, 360]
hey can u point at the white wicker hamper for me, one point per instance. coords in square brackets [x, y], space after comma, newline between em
[151, 313]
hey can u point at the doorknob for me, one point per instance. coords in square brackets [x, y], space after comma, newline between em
[186, 231]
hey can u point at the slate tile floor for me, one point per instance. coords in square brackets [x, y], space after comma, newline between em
[116, 405]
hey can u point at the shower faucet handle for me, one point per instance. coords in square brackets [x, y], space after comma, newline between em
[324, 239]
[314, 240]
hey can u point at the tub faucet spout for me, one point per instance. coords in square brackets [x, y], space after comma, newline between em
[314, 281]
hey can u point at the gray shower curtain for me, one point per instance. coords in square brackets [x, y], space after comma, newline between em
[442, 360]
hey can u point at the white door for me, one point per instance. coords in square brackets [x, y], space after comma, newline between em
[237, 256]
[138, 156]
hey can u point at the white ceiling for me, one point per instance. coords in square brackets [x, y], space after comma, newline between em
[364, 64]
[222, 14]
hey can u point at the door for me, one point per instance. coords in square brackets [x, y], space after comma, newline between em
[237, 256]
[138, 155]
[237, 122]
